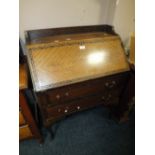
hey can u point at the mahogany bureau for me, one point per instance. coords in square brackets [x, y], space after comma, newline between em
[76, 68]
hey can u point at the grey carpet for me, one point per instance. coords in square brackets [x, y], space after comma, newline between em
[90, 132]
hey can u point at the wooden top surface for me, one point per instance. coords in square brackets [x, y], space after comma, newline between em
[65, 59]
[23, 80]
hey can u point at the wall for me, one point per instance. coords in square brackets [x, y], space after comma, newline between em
[38, 14]
[124, 19]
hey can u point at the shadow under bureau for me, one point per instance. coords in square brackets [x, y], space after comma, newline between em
[76, 68]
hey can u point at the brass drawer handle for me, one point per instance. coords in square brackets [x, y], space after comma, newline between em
[78, 107]
[58, 96]
[66, 111]
[67, 94]
[114, 82]
[110, 84]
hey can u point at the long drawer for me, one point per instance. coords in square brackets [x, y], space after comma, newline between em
[75, 91]
[25, 132]
[81, 104]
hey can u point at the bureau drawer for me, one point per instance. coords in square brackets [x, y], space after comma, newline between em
[81, 104]
[71, 92]
[25, 132]
[21, 119]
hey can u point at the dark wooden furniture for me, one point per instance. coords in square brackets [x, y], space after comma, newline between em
[76, 68]
[27, 125]
[127, 103]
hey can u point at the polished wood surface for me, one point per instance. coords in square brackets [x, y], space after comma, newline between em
[76, 69]
[55, 102]
[23, 80]
[25, 132]
[27, 125]
[36, 35]
[58, 40]
[81, 104]
[30, 122]
[74, 58]
[87, 88]
[21, 119]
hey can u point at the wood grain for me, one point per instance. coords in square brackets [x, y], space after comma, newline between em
[25, 132]
[74, 69]
[78, 105]
[36, 35]
[23, 80]
[29, 118]
[21, 119]
[75, 58]
[87, 88]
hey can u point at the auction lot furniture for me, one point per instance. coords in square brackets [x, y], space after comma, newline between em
[76, 68]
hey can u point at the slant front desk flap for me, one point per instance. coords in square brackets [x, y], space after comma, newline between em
[67, 59]
[77, 68]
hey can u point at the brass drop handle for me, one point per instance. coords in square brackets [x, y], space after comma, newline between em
[66, 111]
[78, 107]
[110, 84]
[58, 96]
[114, 82]
[67, 93]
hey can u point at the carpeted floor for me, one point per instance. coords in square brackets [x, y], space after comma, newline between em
[90, 132]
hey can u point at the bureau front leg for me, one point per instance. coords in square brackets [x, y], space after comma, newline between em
[126, 103]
